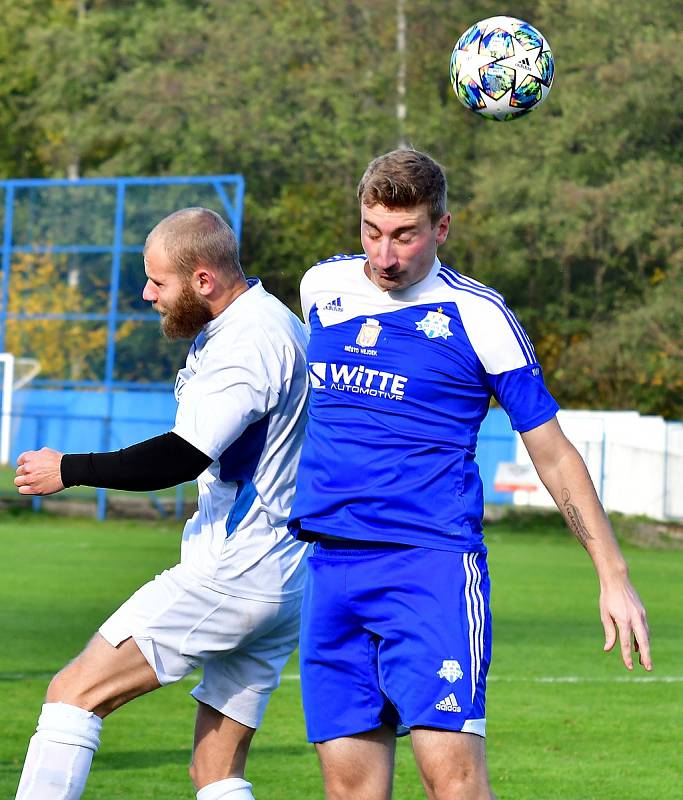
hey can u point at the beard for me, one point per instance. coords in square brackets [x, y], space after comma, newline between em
[187, 316]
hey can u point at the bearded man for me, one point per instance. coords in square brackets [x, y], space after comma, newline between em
[232, 604]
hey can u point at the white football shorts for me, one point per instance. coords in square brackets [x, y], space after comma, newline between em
[242, 644]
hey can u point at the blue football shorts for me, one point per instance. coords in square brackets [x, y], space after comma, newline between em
[394, 635]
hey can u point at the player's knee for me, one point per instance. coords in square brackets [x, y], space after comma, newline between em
[352, 783]
[336, 789]
[71, 686]
[62, 689]
[464, 781]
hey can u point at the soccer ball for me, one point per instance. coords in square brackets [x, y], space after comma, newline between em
[502, 68]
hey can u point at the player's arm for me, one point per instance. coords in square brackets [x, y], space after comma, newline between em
[564, 474]
[156, 463]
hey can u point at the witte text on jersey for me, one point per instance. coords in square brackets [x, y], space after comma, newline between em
[357, 380]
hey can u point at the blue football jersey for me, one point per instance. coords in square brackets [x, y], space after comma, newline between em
[400, 383]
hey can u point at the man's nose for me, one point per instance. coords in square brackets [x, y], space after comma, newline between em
[386, 253]
[149, 293]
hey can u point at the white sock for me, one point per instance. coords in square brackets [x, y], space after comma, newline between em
[230, 788]
[60, 753]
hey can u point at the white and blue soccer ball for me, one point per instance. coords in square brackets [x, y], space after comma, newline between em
[502, 68]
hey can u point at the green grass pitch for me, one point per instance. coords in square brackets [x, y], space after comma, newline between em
[565, 721]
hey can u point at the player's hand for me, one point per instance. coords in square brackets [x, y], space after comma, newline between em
[38, 472]
[623, 616]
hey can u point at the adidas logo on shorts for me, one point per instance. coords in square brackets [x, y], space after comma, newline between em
[449, 703]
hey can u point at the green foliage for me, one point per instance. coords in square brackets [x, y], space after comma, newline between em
[635, 359]
[573, 212]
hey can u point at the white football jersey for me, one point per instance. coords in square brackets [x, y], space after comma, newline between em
[242, 401]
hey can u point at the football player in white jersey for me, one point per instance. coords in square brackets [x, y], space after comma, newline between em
[232, 604]
[404, 357]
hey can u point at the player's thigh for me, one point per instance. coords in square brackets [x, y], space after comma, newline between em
[358, 767]
[103, 677]
[238, 681]
[452, 764]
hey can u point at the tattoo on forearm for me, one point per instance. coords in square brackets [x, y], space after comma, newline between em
[574, 519]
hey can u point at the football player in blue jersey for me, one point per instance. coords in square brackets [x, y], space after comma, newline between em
[404, 358]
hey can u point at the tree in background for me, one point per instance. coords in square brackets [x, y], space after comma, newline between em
[66, 349]
[572, 212]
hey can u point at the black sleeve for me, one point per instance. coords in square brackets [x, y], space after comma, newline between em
[157, 463]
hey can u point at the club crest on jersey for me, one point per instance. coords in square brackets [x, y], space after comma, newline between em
[450, 670]
[369, 333]
[435, 324]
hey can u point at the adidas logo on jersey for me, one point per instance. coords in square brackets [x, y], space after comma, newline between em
[449, 703]
[334, 305]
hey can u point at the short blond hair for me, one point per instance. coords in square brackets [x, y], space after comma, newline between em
[405, 178]
[194, 236]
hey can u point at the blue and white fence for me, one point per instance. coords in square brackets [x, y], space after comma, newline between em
[636, 462]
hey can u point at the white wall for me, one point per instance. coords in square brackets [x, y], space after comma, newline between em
[636, 462]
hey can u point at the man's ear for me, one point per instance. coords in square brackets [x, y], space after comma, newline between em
[442, 228]
[203, 280]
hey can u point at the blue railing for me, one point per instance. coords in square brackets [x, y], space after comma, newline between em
[71, 218]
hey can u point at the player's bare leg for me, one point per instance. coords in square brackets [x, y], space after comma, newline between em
[103, 677]
[219, 757]
[359, 767]
[100, 679]
[452, 765]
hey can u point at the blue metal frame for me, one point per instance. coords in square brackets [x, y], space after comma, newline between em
[233, 204]
[233, 209]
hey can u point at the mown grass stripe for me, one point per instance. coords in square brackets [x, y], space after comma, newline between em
[19, 676]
